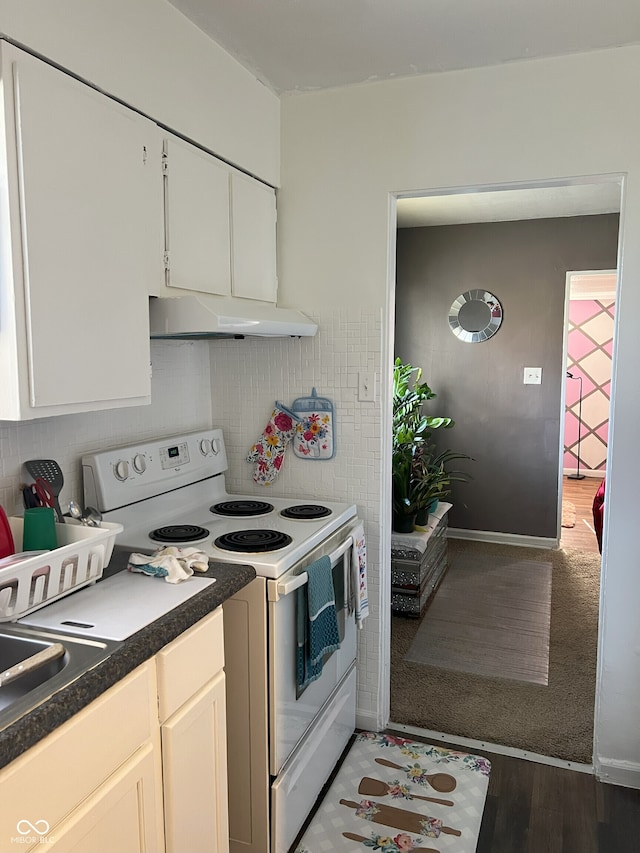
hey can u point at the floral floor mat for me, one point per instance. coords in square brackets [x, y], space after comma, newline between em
[395, 795]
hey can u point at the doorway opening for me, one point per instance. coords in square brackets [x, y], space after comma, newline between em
[514, 206]
[589, 330]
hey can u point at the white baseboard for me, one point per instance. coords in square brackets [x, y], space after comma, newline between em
[367, 721]
[625, 773]
[502, 538]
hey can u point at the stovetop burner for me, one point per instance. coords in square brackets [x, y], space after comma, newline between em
[242, 508]
[253, 541]
[306, 511]
[179, 533]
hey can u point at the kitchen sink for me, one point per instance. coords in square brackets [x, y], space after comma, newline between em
[18, 643]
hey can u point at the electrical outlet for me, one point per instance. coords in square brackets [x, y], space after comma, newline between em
[533, 376]
[367, 387]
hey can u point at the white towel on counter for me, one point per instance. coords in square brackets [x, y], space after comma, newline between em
[359, 574]
[171, 563]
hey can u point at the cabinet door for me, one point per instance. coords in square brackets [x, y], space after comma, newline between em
[124, 814]
[253, 217]
[194, 761]
[197, 236]
[89, 179]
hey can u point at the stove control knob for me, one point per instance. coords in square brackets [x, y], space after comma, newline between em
[139, 463]
[205, 447]
[121, 470]
[215, 446]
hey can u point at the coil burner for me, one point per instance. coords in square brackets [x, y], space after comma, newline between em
[253, 541]
[305, 512]
[179, 533]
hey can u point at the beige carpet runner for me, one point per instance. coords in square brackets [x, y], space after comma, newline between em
[556, 719]
[490, 617]
[394, 795]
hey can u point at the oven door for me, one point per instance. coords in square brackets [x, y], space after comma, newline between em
[291, 712]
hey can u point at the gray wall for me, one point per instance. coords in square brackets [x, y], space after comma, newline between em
[512, 430]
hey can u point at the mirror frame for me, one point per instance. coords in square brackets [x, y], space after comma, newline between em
[475, 336]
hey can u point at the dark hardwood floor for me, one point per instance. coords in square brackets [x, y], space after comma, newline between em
[538, 808]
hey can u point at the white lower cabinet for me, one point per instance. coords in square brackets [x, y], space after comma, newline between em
[194, 761]
[191, 691]
[120, 816]
[95, 783]
[145, 761]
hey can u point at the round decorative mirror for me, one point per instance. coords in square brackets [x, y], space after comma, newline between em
[475, 316]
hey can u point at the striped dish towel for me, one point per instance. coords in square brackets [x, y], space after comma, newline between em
[359, 574]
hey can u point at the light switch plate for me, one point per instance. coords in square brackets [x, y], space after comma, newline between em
[367, 387]
[533, 376]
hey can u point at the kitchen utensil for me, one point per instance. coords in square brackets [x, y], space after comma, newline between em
[7, 546]
[75, 511]
[92, 516]
[443, 783]
[43, 493]
[313, 438]
[49, 470]
[52, 652]
[400, 818]
[353, 837]
[28, 497]
[377, 788]
[39, 529]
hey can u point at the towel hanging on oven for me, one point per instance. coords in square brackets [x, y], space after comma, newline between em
[316, 622]
[313, 437]
[358, 575]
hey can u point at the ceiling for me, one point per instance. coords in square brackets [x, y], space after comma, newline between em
[303, 45]
[500, 206]
[297, 46]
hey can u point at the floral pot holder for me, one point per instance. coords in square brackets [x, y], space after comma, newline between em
[314, 438]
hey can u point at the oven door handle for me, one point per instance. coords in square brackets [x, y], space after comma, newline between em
[286, 587]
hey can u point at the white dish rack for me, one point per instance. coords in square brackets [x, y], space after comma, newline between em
[80, 559]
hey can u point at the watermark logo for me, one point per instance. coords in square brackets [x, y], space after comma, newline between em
[32, 832]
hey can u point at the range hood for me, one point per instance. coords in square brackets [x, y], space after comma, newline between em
[206, 316]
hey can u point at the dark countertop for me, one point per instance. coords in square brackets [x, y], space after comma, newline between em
[44, 719]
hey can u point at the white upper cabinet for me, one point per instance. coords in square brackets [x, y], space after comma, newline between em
[253, 217]
[197, 237]
[220, 225]
[80, 244]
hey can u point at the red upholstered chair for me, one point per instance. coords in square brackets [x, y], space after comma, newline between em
[598, 513]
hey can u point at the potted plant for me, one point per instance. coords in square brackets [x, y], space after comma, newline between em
[433, 478]
[419, 475]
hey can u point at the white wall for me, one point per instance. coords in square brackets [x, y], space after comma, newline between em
[181, 401]
[150, 56]
[345, 151]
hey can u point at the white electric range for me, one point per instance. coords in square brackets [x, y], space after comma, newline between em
[283, 742]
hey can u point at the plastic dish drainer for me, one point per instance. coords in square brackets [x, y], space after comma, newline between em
[80, 558]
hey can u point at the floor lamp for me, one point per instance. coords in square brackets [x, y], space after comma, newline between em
[577, 475]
